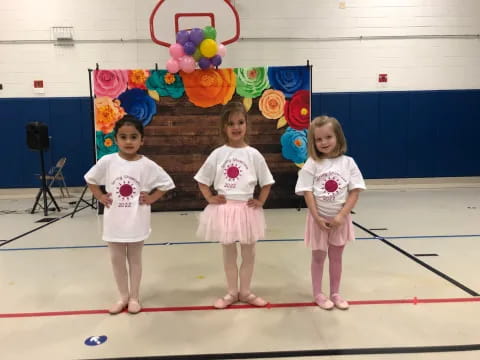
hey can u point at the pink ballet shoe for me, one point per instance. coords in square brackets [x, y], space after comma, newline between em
[134, 306]
[253, 299]
[323, 302]
[339, 302]
[225, 302]
[118, 307]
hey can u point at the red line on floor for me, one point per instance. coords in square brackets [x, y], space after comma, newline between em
[414, 301]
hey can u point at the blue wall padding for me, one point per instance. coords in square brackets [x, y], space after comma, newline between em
[390, 134]
[70, 128]
[408, 133]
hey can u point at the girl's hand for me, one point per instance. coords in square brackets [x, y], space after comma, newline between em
[254, 203]
[216, 199]
[338, 220]
[323, 223]
[145, 198]
[106, 199]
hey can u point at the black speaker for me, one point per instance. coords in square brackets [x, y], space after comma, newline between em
[37, 136]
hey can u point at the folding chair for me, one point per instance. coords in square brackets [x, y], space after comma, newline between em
[55, 175]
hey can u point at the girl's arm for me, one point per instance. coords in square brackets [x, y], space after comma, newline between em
[262, 197]
[347, 207]
[312, 207]
[105, 199]
[207, 194]
[149, 199]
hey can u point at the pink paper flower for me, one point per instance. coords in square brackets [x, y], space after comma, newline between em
[110, 83]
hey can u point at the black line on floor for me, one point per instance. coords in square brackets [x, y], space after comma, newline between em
[47, 219]
[373, 229]
[38, 228]
[324, 352]
[425, 255]
[424, 264]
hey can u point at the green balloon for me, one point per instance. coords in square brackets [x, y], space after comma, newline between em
[197, 54]
[210, 32]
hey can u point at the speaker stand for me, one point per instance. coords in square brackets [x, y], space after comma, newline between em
[44, 190]
[91, 203]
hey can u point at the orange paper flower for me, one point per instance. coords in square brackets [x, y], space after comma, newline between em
[271, 104]
[169, 78]
[206, 88]
[107, 113]
[137, 79]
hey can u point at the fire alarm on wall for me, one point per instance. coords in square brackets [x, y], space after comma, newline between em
[382, 78]
[38, 87]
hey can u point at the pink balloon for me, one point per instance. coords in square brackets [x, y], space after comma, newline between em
[187, 63]
[172, 66]
[176, 51]
[222, 50]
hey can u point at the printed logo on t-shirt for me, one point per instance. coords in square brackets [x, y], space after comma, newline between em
[331, 183]
[233, 170]
[126, 189]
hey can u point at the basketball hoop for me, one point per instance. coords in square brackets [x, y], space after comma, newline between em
[220, 14]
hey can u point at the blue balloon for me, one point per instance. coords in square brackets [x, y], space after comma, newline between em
[183, 36]
[196, 36]
[216, 60]
[204, 63]
[189, 48]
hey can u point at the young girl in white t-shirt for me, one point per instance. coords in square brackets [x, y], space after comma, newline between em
[233, 214]
[331, 183]
[133, 182]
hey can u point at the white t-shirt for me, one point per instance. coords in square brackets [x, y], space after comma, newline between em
[329, 180]
[126, 220]
[234, 172]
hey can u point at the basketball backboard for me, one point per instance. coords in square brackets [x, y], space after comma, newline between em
[170, 16]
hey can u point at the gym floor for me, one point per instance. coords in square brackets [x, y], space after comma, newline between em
[411, 278]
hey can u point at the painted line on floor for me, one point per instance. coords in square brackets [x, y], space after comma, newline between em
[319, 352]
[150, 244]
[420, 262]
[213, 242]
[414, 301]
[429, 236]
[40, 227]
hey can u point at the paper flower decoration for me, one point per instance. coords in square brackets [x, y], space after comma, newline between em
[289, 79]
[109, 83]
[294, 145]
[105, 143]
[297, 110]
[136, 102]
[271, 104]
[137, 79]
[206, 88]
[251, 81]
[165, 83]
[247, 103]
[107, 113]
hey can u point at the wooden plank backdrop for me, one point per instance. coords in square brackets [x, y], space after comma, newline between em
[182, 135]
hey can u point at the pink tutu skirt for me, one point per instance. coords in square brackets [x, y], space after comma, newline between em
[231, 222]
[318, 239]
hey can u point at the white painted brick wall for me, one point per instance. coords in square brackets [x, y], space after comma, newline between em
[353, 65]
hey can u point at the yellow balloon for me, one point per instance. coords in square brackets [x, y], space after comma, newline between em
[208, 48]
